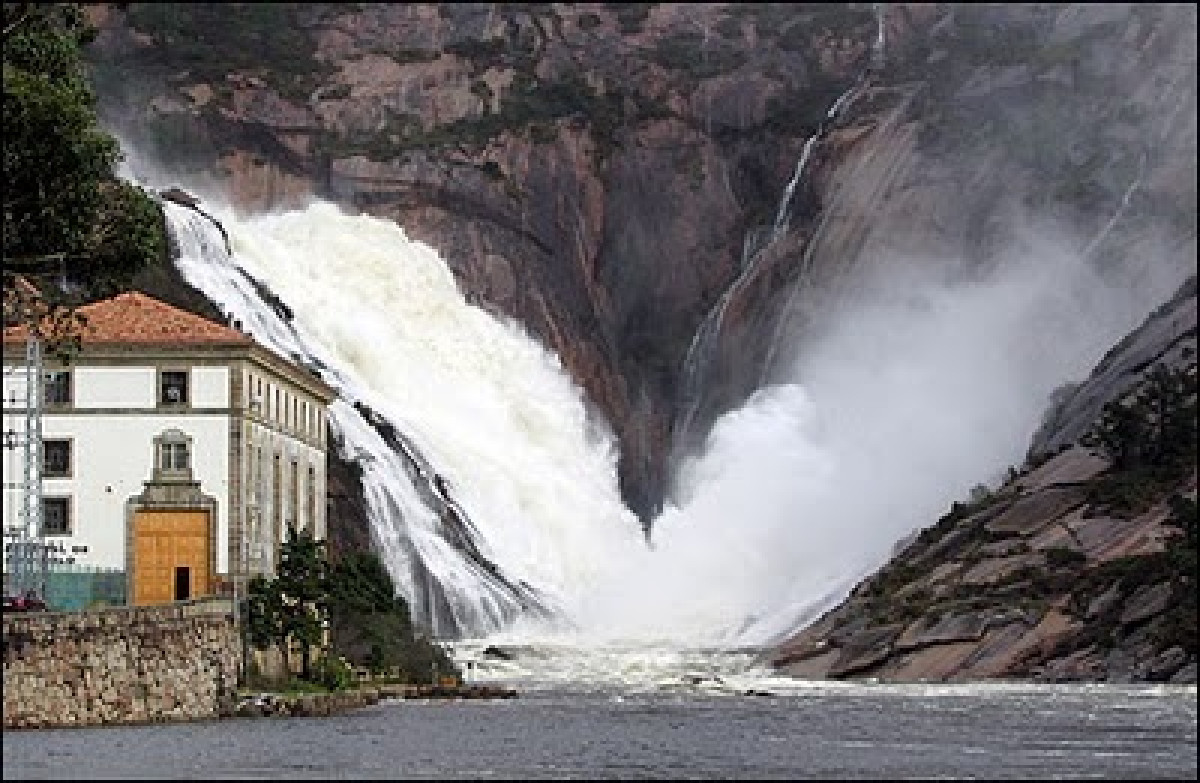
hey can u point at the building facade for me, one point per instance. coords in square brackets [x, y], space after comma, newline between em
[173, 448]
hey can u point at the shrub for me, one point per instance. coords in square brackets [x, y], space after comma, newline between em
[334, 672]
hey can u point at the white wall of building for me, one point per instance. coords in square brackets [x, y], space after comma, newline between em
[258, 479]
[112, 426]
[210, 387]
[113, 455]
[113, 387]
[112, 423]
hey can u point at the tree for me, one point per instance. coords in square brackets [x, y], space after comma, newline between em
[58, 327]
[370, 624]
[1154, 428]
[292, 607]
[354, 597]
[55, 154]
[264, 613]
[302, 583]
[62, 200]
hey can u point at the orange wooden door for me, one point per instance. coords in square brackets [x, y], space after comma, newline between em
[171, 551]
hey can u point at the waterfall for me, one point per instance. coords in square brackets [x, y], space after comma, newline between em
[782, 214]
[879, 47]
[490, 485]
[799, 492]
[704, 342]
[1097, 241]
[473, 545]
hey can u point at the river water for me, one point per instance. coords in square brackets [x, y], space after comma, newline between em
[698, 718]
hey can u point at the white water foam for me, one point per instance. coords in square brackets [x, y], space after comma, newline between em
[904, 401]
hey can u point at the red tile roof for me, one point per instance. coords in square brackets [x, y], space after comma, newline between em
[133, 318]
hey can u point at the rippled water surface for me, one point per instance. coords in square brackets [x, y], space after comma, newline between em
[689, 731]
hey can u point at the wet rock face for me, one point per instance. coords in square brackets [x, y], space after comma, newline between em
[593, 170]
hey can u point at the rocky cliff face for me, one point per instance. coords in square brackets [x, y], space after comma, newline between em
[599, 171]
[1081, 566]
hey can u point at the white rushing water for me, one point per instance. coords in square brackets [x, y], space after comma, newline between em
[923, 390]
[896, 408]
[488, 409]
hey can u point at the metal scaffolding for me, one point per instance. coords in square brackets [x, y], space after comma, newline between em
[25, 556]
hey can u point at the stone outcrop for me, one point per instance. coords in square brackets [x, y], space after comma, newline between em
[1041, 579]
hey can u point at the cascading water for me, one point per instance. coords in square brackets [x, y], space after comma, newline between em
[492, 492]
[797, 495]
[879, 47]
[429, 387]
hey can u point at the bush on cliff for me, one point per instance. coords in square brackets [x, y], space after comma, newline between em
[1150, 437]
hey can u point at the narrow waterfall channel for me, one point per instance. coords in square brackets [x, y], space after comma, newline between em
[702, 349]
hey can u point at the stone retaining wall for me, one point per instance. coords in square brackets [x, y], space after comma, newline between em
[175, 662]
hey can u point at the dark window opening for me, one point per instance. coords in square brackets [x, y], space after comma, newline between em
[56, 458]
[57, 389]
[183, 583]
[174, 457]
[174, 387]
[56, 516]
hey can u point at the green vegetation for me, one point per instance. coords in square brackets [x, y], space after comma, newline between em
[292, 609]
[369, 625]
[1061, 557]
[589, 21]
[64, 208]
[1151, 439]
[66, 214]
[530, 105]
[631, 16]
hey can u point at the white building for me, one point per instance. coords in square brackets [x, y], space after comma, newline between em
[173, 448]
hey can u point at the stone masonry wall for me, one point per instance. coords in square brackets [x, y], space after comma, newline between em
[113, 665]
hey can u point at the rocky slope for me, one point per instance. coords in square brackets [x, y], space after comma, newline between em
[1076, 568]
[604, 173]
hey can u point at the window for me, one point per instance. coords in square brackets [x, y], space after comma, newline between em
[294, 500]
[173, 387]
[57, 389]
[277, 500]
[173, 457]
[56, 458]
[56, 516]
[311, 499]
